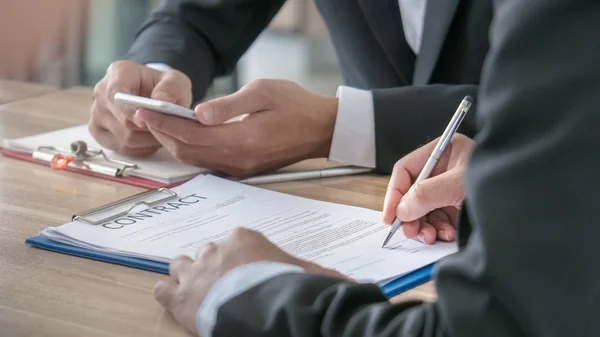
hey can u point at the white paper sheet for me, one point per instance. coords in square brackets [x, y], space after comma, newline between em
[160, 166]
[208, 208]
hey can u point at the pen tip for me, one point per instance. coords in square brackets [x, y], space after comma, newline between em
[468, 98]
[387, 239]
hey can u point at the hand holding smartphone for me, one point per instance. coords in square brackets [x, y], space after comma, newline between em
[156, 105]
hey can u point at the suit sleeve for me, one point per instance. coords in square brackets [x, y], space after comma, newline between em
[529, 267]
[409, 117]
[203, 39]
[299, 305]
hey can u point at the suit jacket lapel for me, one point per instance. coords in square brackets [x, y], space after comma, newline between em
[438, 17]
[383, 17]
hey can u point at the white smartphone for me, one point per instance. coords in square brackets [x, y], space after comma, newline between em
[155, 105]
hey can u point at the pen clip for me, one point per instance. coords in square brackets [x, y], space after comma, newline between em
[135, 200]
[81, 158]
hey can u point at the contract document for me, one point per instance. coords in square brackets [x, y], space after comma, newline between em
[207, 208]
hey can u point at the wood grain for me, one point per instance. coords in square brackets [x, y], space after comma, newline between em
[14, 90]
[49, 294]
[52, 111]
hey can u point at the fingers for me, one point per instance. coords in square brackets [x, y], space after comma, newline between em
[173, 87]
[109, 133]
[404, 173]
[111, 123]
[411, 229]
[440, 220]
[164, 292]
[400, 183]
[208, 249]
[179, 267]
[177, 149]
[218, 157]
[124, 77]
[440, 191]
[136, 79]
[407, 169]
[184, 153]
[108, 140]
[427, 233]
[253, 97]
[420, 230]
[126, 138]
[186, 131]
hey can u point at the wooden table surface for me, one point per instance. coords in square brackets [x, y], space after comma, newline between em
[51, 294]
[13, 90]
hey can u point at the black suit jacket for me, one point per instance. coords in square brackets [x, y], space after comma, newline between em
[529, 265]
[414, 97]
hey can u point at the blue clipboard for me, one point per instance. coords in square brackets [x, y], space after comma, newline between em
[389, 289]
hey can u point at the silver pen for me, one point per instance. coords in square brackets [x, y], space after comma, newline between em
[302, 175]
[458, 117]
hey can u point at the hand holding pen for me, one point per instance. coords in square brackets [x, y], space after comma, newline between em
[428, 209]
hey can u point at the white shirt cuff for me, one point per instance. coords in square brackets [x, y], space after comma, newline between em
[353, 140]
[159, 66]
[233, 284]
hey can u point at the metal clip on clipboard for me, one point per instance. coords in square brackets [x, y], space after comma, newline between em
[81, 158]
[133, 202]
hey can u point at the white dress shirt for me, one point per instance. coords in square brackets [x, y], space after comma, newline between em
[353, 143]
[354, 133]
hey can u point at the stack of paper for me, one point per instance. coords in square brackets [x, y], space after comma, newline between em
[207, 208]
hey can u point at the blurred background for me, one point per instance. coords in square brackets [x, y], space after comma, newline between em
[71, 42]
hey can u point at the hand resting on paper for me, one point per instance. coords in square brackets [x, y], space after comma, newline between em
[429, 209]
[191, 280]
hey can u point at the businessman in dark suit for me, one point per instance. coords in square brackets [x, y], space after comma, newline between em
[406, 63]
[528, 262]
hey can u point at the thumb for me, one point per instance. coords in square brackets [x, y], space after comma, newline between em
[173, 87]
[222, 109]
[430, 194]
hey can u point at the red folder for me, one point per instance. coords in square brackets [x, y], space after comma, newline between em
[135, 181]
